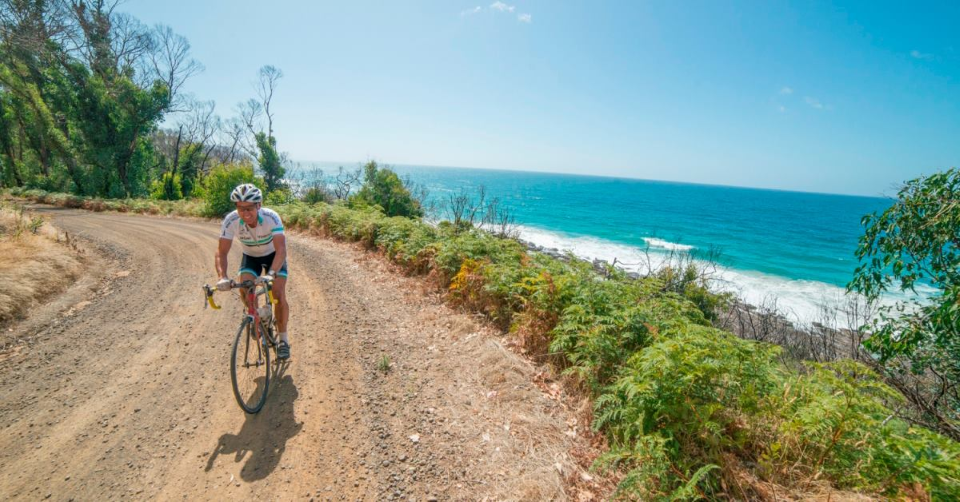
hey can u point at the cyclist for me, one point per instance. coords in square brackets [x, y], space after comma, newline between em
[264, 245]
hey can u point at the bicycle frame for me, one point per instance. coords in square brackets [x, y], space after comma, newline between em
[253, 313]
[251, 286]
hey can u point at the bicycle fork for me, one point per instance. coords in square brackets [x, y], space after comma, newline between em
[260, 344]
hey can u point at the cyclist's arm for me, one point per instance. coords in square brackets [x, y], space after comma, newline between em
[221, 258]
[280, 245]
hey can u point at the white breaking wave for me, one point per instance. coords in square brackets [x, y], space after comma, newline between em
[662, 244]
[802, 301]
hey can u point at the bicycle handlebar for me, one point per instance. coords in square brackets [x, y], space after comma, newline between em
[208, 291]
[208, 296]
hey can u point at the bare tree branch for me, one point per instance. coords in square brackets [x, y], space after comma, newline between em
[94, 18]
[267, 83]
[170, 61]
[130, 41]
[345, 182]
[29, 25]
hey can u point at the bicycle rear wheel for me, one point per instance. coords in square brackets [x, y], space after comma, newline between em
[250, 368]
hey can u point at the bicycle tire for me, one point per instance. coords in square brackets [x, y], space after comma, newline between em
[246, 341]
[268, 331]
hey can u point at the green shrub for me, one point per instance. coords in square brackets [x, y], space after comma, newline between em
[168, 187]
[680, 402]
[190, 207]
[279, 197]
[216, 186]
[384, 189]
[837, 422]
[316, 194]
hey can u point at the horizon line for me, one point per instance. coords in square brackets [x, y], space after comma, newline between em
[631, 178]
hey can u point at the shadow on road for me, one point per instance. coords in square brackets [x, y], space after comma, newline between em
[263, 437]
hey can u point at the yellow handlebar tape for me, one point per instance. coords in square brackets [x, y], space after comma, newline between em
[210, 301]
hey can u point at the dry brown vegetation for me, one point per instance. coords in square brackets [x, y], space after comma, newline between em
[37, 261]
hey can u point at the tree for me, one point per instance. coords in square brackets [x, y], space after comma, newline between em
[168, 187]
[267, 84]
[231, 144]
[216, 187]
[382, 187]
[270, 163]
[917, 242]
[170, 62]
[257, 117]
[345, 182]
[81, 94]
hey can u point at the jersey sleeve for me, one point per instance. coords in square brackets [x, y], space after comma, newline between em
[229, 227]
[276, 226]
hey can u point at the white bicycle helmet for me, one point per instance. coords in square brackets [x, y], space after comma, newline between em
[246, 193]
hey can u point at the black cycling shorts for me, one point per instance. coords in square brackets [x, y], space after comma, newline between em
[259, 265]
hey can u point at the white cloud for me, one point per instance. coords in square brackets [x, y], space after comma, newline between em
[920, 55]
[786, 90]
[499, 6]
[782, 109]
[814, 102]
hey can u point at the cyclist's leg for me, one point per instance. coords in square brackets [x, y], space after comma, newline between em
[280, 293]
[249, 270]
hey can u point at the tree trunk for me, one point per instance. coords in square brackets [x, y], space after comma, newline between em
[176, 152]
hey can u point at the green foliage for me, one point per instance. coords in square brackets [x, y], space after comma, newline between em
[189, 167]
[269, 161]
[144, 206]
[384, 189]
[383, 364]
[74, 120]
[314, 195]
[114, 119]
[917, 241]
[837, 421]
[215, 188]
[687, 280]
[168, 187]
[279, 197]
[687, 393]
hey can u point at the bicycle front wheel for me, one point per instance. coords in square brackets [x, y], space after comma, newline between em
[249, 368]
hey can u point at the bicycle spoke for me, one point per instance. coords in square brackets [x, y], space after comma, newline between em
[250, 369]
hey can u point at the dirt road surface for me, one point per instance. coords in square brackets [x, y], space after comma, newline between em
[119, 388]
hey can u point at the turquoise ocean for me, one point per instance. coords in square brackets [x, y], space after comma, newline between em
[792, 248]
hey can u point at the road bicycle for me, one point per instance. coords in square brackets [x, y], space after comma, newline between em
[250, 360]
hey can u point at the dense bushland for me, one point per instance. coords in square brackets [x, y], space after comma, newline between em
[84, 90]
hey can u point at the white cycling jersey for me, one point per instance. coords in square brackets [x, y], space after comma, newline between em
[256, 241]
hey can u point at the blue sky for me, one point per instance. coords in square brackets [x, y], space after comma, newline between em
[814, 96]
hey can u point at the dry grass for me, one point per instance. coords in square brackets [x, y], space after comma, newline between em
[35, 263]
[523, 437]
